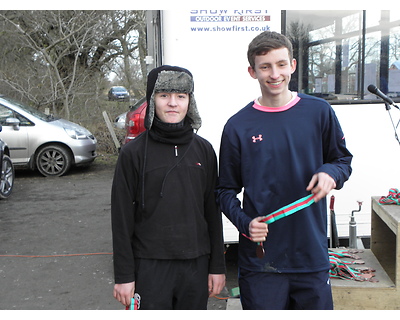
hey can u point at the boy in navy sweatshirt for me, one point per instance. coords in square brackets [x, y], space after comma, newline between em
[280, 148]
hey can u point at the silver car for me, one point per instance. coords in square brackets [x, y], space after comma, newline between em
[40, 141]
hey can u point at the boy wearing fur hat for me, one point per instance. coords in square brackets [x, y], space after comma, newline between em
[167, 227]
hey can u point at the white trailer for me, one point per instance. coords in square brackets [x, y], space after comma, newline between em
[212, 44]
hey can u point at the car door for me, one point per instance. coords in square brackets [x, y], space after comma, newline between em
[15, 134]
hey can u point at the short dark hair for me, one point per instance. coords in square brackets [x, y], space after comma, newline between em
[265, 42]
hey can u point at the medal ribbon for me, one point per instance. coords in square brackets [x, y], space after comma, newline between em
[281, 213]
[289, 209]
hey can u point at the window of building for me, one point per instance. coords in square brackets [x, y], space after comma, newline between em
[340, 53]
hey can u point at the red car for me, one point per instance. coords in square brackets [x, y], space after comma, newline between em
[134, 123]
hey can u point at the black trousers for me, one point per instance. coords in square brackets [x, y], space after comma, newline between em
[172, 284]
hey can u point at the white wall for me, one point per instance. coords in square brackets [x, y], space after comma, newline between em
[376, 164]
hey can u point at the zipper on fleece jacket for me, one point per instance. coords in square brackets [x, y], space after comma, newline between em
[175, 165]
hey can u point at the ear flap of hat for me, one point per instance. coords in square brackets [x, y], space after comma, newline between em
[193, 113]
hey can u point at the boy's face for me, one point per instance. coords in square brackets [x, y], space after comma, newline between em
[171, 107]
[273, 71]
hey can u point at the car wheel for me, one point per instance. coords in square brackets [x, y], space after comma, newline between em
[53, 161]
[6, 178]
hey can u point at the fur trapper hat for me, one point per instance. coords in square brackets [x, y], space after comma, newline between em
[171, 79]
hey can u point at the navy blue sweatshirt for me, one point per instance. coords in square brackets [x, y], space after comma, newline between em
[272, 154]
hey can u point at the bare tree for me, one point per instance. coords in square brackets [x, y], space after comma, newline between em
[56, 56]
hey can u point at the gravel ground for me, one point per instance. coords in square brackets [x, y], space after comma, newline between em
[55, 251]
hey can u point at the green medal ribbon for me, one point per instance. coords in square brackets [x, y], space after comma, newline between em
[289, 209]
[281, 213]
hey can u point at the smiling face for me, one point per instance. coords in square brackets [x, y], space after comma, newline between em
[273, 71]
[171, 107]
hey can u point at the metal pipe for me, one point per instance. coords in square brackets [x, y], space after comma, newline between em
[353, 228]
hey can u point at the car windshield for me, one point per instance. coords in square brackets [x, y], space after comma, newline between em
[30, 110]
[120, 89]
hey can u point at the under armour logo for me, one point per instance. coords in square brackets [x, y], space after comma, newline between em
[259, 138]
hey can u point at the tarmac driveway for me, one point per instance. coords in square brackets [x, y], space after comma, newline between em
[55, 243]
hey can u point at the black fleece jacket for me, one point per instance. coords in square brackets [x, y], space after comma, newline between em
[163, 204]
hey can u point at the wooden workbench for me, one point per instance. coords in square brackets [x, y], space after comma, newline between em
[384, 257]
